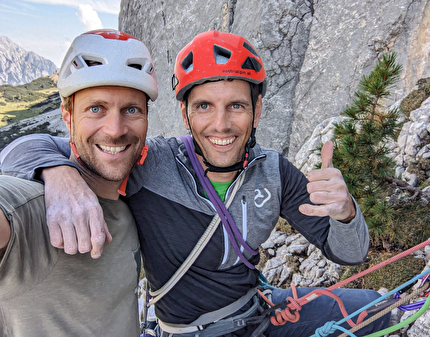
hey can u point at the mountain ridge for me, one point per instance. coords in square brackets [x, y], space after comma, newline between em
[18, 66]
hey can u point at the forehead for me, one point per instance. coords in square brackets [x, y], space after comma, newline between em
[226, 89]
[111, 94]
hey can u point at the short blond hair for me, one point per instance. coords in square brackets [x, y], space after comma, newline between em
[67, 102]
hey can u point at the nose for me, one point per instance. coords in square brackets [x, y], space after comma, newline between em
[222, 121]
[114, 124]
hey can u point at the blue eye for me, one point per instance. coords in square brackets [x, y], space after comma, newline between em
[204, 106]
[132, 110]
[236, 106]
[95, 109]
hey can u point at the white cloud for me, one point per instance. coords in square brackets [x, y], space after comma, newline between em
[89, 17]
[105, 6]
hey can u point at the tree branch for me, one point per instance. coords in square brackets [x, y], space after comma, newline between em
[404, 186]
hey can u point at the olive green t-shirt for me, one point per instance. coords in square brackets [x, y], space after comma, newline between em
[45, 292]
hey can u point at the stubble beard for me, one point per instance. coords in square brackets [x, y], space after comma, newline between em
[111, 173]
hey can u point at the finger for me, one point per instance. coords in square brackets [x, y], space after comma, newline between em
[327, 155]
[55, 235]
[328, 196]
[313, 210]
[83, 234]
[99, 230]
[69, 238]
[99, 240]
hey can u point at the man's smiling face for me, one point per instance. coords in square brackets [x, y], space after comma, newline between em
[108, 128]
[220, 116]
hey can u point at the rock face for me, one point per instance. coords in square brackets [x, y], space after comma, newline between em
[314, 52]
[18, 66]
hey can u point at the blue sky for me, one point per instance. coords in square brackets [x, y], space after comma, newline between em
[47, 27]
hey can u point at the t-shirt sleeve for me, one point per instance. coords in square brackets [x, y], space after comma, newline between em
[29, 255]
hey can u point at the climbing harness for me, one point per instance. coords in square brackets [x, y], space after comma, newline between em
[210, 324]
[377, 309]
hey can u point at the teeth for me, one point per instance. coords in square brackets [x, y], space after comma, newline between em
[112, 149]
[222, 142]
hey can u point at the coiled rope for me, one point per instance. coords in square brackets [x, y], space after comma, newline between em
[293, 304]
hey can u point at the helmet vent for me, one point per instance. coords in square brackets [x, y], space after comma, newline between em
[252, 50]
[187, 62]
[136, 66]
[92, 63]
[221, 54]
[251, 63]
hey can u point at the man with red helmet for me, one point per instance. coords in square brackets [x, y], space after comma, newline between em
[105, 82]
[202, 275]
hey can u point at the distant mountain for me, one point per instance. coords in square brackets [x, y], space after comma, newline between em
[18, 66]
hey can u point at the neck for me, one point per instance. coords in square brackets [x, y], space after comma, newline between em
[220, 177]
[101, 187]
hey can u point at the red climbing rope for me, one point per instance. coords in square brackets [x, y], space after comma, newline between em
[291, 312]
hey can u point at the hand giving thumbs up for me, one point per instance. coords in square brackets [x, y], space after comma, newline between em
[327, 190]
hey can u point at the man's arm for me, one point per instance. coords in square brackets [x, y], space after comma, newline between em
[4, 233]
[74, 216]
[26, 156]
[322, 209]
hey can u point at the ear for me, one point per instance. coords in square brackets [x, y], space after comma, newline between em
[66, 116]
[183, 107]
[258, 109]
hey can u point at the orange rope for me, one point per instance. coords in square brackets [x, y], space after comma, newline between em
[291, 312]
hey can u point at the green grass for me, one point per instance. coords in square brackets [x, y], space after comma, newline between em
[390, 276]
[27, 100]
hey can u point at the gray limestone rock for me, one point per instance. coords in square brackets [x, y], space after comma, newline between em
[315, 52]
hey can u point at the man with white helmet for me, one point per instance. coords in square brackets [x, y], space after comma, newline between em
[203, 205]
[105, 81]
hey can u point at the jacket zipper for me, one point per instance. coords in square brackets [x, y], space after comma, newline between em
[244, 223]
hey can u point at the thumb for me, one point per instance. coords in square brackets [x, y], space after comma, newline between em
[327, 155]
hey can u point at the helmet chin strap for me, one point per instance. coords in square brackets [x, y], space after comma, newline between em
[72, 144]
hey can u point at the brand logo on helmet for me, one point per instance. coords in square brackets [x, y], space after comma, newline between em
[239, 72]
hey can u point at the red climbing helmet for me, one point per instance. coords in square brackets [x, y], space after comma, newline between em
[215, 55]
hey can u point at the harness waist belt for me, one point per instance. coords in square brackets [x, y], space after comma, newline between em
[209, 317]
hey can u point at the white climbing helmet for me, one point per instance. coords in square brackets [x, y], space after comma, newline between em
[107, 57]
